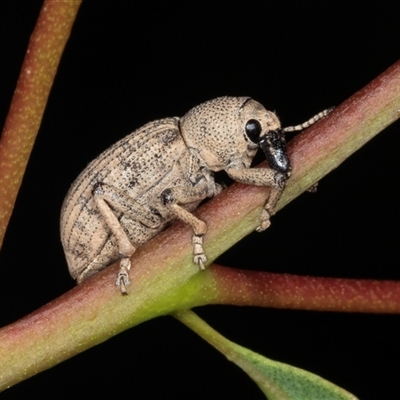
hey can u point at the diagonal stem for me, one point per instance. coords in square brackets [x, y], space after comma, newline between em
[164, 278]
[44, 52]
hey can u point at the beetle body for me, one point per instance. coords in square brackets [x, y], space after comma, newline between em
[140, 167]
[162, 172]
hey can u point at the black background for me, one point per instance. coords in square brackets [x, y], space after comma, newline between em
[128, 63]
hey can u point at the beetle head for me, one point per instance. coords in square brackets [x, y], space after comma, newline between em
[263, 128]
[227, 132]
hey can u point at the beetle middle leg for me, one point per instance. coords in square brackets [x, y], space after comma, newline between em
[199, 227]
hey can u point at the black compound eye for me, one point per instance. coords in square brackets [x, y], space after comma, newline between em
[253, 130]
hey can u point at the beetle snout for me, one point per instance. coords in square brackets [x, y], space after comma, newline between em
[273, 144]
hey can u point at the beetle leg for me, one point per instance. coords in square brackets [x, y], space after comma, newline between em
[199, 227]
[106, 196]
[269, 209]
[262, 177]
[125, 247]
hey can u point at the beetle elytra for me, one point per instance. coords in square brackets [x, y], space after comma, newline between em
[161, 172]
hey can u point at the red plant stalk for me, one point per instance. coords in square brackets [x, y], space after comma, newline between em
[264, 289]
[30, 97]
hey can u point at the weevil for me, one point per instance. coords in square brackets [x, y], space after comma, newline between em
[161, 172]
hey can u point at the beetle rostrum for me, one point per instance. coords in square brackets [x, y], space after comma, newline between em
[273, 144]
[161, 172]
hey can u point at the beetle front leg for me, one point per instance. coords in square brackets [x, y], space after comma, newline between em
[199, 227]
[269, 209]
[262, 177]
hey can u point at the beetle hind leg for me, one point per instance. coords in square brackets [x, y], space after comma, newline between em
[125, 247]
[123, 275]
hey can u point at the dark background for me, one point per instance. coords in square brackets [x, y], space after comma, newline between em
[128, 63]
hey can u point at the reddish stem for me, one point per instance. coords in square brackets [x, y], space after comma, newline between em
[264, 289]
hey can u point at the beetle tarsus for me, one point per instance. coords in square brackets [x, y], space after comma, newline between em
[265, 221]
[199, 257]
[123, 275]
[313, 188]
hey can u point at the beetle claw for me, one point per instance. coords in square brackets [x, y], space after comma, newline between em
[122, 282]
[200, 260]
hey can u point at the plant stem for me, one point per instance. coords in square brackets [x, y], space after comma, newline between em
[44, 52]
[163, 276]
[264, 289]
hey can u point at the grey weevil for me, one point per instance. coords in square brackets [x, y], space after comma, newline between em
[161, 172]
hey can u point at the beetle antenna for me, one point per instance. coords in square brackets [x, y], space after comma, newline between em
[308, 123]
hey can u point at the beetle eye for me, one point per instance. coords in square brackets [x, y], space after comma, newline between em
[253, 130]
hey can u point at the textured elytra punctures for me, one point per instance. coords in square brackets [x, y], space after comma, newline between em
[161, 172]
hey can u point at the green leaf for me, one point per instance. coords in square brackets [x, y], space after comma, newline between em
[278, 381]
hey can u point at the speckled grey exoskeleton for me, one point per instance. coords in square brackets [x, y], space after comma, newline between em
[161, 172]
